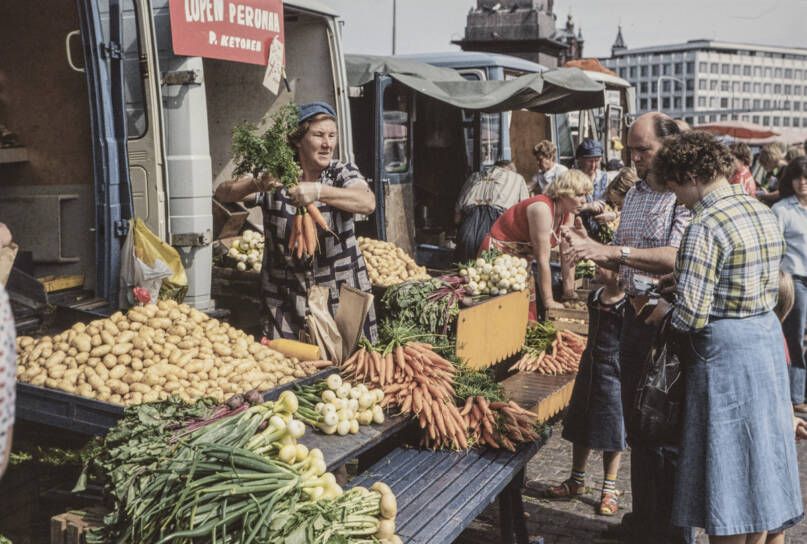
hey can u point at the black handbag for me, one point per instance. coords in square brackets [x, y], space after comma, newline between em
[658, 405]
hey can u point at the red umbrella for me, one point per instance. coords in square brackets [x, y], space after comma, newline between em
[739, 130]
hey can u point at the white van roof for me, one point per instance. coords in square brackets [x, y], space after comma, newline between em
[311, 5]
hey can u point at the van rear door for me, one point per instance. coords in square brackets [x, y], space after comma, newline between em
[144, 118]
[104, 72]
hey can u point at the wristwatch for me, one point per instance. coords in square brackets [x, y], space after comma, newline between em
[624, 253]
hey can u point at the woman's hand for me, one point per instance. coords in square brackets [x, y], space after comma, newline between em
[569, 295]
[598, 206]
[605, 217]
[267, 182]
[653, 316]
[666, 284]
[305, 193]
[553, 305]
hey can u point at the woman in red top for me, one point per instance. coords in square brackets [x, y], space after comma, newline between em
[532, 227]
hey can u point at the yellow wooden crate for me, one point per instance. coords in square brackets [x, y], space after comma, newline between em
[493, 330]
[57, 283]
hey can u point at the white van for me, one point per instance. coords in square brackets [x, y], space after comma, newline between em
[112, 124]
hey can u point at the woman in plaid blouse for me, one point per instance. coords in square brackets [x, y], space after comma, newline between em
[737, 474]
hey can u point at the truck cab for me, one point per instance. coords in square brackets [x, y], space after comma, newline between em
[111, 124]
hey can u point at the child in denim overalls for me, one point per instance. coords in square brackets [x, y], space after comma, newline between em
[594, 419]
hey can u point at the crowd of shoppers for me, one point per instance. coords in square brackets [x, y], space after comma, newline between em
[693, 222]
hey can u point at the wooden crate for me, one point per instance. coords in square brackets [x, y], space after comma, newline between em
[557, 318]
[493, 330]
[71, 527]
[539, 393]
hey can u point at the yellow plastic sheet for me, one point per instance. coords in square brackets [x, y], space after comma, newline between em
[148, 248]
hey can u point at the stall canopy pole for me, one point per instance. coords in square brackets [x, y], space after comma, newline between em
[394, 15]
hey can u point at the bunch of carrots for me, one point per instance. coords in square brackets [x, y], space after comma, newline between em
[255, 152]
[304, 239]
[497, 424]
[561, 357]
[418, 382]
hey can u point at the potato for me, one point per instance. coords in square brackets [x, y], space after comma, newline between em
[100, 351]
[109, 360]
[55, 359]
[121, 348]
[107, 338]
[117, 372]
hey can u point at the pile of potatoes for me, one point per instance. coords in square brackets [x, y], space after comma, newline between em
[387, 264]
[152, 352]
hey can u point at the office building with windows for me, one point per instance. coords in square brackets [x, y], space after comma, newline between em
[704, 81]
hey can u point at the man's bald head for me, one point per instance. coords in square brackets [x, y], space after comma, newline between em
[645, 137]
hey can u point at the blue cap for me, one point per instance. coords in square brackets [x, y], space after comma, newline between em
[311, 109]
[589, 148]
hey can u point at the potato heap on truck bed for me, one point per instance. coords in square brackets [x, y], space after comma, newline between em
[387, 264]
[153, 352]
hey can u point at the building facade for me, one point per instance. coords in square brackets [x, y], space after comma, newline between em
[704, 81]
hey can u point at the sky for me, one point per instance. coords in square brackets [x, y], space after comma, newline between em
[430, 25]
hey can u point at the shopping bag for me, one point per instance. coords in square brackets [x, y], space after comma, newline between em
[150, 249]
[354, 305]
[137, 276]
[320, 327]
[659, 401]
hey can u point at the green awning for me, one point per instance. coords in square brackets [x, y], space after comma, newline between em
[553, 91]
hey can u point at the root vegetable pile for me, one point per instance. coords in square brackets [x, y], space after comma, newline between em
[246, 253]
[387, 264]
[495, 274]
[235, 475]
[498, 424]
[561, 357]
[334, 406]
[153, 352]
[417, 381]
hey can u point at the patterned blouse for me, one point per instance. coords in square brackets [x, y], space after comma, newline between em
[728, 262]
[286, 279]
[8, 369]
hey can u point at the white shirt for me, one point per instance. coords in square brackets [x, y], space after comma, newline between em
[542, 181]
[792, 218]
[497, 187]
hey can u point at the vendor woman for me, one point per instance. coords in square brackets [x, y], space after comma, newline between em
[338, 190]
[531, 228]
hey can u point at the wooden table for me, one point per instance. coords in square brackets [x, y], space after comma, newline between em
[338, 450]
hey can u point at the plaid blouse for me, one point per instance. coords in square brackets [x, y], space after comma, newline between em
[8, 369]
[728, 262]
[645, 222]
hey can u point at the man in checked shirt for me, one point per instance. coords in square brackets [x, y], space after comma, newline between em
[646, 242]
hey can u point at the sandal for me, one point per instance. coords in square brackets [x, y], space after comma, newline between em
[608, 504]
[566, 490]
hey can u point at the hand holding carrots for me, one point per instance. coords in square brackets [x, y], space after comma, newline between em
[305, 193]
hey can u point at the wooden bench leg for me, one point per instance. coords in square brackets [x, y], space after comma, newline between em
[519, 521]
[506, 515]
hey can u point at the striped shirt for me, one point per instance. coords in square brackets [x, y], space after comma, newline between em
[728, 262]
[497, 187]
[647, 220]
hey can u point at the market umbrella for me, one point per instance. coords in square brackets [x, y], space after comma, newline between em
[739, 130]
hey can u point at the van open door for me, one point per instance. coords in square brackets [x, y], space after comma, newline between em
[104, 71]
[392, 163]
[144, 118]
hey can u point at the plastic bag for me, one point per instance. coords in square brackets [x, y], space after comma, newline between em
[149, 263]
[659, 402]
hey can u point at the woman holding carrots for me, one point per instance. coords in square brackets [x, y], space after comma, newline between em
[315, 247]
[532, 227]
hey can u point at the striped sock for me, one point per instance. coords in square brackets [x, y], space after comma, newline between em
[609, 484]
[579, 478]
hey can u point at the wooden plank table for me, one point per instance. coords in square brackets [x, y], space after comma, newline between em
[338, 450]
[440, 492]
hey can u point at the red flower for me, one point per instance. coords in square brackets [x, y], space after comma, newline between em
[142, 294]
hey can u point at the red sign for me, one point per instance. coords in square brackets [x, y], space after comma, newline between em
[239, 30]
